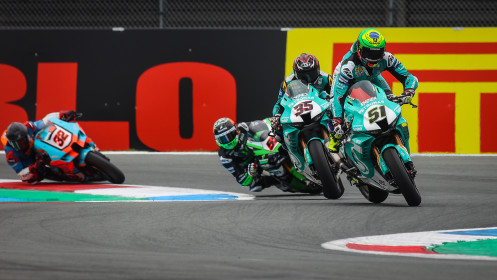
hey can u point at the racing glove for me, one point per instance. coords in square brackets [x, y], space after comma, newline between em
[69, 116]
[247, 178]
[406, 96]
[257, 184]
[252, 169]
[277, 129]
[336, 133]
[390, 95]
[275, 122]
[34, 173]
[335, 127]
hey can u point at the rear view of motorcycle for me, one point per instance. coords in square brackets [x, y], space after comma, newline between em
[65, 149]
[375, 153]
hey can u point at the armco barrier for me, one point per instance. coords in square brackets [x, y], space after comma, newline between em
[457, 71]
[162, 89]
[142, 89]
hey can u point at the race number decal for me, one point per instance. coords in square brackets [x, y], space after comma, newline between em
[377, 113]
[58, 137]
[271, 143]
[302, 107]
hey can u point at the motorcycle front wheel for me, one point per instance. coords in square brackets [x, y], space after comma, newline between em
[102, 164]
[401, 177]
[323, 167]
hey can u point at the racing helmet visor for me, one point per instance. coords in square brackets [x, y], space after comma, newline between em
[371, 56]
[309, 76]
[20, 144]
[227, 139]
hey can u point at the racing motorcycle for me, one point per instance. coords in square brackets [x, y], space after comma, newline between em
[274, 161]
[375, 152]
[304, 124]
[66, 149]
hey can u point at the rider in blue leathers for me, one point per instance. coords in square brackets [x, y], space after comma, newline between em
[17, 140]
[366, 60]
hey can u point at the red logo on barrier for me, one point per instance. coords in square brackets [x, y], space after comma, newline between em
[157, 103]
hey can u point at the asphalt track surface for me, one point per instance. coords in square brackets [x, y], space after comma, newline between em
[275, 236]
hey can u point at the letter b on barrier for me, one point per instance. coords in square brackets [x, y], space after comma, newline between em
[157, 105]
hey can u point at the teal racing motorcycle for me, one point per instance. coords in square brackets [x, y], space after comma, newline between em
[304, 124]
[375, 151]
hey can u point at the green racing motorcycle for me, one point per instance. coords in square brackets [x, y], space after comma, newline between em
[274, 161]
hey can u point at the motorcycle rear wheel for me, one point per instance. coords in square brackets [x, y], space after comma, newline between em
[372, 194]
[399, 173]
[102, 164]
[323, 167]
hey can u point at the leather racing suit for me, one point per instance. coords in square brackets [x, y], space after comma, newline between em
[350, 70]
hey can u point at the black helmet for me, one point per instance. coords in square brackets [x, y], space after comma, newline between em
[18, 136]
[225, 133]
[306, 67]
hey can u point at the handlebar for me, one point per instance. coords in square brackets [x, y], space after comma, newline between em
[401, 102]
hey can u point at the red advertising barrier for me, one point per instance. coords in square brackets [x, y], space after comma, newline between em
[148, 90]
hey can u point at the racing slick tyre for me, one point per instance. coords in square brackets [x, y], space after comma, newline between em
[401, 177]
[323, 167]
[340, 185]
[102, 164]
[372, 194]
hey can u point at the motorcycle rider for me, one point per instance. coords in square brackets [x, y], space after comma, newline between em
[18, 141]
[307, 69]
[237, 158]
[366, 60]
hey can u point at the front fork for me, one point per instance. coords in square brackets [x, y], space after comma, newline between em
[409, 165]
[303, 145]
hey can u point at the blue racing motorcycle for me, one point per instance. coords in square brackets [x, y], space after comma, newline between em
[67, 151]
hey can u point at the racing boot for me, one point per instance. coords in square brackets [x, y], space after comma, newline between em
[333, 145]
[263, 183]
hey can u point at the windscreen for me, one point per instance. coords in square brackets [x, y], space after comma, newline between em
[362, 91]
[295, 89]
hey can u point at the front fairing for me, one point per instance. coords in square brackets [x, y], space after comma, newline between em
[303, 105]
[303, 108]
[64, 143]
[372, 116]
[265, 148]
[267, 151]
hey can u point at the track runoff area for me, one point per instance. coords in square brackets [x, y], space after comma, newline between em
[471, 244]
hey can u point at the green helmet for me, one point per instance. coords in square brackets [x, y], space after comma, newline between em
[226, 133]
[370, 47]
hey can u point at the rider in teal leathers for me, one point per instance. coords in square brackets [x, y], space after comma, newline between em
[366, 60]
[305, 68]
